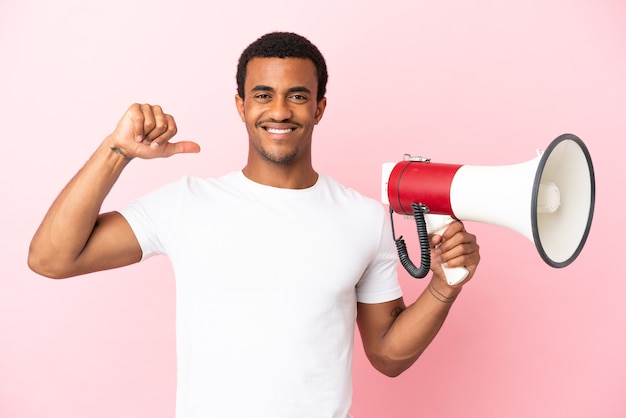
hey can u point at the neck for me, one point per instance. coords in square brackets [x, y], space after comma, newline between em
[282, 177]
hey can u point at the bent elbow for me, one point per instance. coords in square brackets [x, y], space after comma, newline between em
[45, 266]
[392, 371]
[37, 267]
[392, 367]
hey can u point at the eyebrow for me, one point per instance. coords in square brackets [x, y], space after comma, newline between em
[295, 89]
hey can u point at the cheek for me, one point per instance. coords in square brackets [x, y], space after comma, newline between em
[249, 114]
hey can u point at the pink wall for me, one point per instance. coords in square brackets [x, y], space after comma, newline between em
[478, 82]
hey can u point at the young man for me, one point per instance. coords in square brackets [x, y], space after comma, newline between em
[273, 263]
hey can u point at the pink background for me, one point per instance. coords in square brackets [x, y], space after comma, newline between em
[470, 82]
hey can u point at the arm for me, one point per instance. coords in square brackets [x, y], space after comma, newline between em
[394, 336]
[74, 238]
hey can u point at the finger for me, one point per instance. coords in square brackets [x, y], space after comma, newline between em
[465, 254]
[435, 240]
[165, 128]
[136, 116]
[456, 255]
[167, 149]
[452, 229]
[455, 234]
[459, 239]
[470, 263]
[182, 147]
[153, 122]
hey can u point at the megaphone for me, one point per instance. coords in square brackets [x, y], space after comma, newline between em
[549, 199]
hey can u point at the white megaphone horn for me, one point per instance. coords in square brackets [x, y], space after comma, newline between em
[549, 199]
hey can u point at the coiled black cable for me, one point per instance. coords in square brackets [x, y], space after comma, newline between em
[422, 234]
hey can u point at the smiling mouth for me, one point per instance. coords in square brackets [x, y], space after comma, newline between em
[279, 131]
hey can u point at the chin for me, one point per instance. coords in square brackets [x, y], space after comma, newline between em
[279, 157]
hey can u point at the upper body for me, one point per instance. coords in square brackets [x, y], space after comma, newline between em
[267, 285]
[280, 99]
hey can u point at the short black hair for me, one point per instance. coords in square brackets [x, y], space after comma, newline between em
[283, 45]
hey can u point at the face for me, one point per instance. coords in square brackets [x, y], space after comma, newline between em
[280, 109]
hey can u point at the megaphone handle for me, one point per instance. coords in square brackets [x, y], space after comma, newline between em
[437, 224]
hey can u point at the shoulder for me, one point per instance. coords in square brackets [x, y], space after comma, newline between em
[352, 205]
[348, 193]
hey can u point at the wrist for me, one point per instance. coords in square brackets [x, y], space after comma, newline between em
[119, 151]
[109, 159]
[442, 291]
[112, 150]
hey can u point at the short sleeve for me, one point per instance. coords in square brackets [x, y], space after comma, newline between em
[151, 217]
[380, 281]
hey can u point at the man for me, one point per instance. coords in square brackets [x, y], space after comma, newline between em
[273, 263]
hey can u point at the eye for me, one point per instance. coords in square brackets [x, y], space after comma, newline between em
[262, 97]
[299, 98]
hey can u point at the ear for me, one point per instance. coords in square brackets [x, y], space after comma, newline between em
[240, 109]
[319, 111]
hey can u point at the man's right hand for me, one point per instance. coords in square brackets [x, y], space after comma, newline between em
[145, 132]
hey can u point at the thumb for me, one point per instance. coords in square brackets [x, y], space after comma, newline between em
[182, 147]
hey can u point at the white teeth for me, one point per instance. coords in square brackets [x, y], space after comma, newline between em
[278, 131]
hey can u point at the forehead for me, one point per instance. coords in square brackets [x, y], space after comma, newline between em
[281, 73]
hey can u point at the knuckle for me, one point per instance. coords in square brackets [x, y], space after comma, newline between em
[171, 125]
[161, 125]
[149, 124]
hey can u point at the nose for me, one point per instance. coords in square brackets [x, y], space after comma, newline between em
[279, 109]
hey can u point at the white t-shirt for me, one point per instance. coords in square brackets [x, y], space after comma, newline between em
[267, 281]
